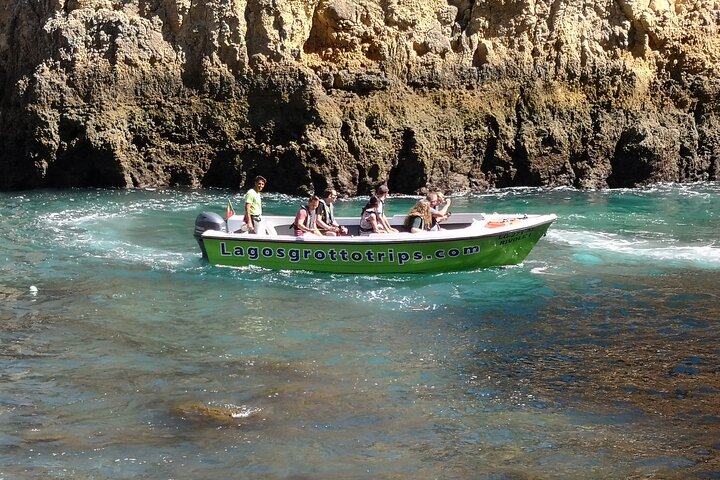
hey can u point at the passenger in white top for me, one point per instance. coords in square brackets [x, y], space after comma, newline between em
[438, 208]
[370, 218]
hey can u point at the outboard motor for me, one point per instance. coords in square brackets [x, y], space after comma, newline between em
[208, 221]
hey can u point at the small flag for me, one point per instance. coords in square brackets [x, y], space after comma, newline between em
[230, 211]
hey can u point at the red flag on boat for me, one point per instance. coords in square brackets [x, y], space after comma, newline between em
[230, 211]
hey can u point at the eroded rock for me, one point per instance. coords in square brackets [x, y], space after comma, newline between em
[457, 95]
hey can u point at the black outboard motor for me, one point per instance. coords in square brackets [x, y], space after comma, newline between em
[208, 221]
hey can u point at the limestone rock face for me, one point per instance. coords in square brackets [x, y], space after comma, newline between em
[460, 95]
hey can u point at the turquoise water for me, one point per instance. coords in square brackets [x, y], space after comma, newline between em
[596, 358]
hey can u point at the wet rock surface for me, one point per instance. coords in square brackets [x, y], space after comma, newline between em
[459, 95]
[227, 415]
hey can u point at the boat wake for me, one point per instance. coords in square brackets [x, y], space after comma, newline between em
[669, 251]
[112, 237]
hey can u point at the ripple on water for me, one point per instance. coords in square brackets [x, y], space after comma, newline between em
[557, 368]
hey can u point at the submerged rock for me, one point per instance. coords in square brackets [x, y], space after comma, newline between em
[227, 415]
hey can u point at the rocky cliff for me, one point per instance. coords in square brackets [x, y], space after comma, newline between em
[455, 94]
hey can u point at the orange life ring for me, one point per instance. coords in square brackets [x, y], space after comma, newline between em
[501, 223]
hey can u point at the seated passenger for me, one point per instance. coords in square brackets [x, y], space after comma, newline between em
[443, 203]
[305, 220]
[326, 216]
[370, 218]
[438, 208]
[419, 219]
[382, 192]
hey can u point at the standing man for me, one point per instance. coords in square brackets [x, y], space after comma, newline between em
[253, 207]
[382, 192]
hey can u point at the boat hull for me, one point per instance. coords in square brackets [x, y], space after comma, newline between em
[409, 254]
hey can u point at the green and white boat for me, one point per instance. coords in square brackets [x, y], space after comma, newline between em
[468, 241]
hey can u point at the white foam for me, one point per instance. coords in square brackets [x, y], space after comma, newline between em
[539, 270]
[657, 249]
[243, 411]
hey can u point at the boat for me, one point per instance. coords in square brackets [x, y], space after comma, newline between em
[467, 241]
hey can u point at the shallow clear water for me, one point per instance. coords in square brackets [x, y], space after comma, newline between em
[596, 358]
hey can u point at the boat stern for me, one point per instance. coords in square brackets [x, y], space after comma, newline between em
[207, 221]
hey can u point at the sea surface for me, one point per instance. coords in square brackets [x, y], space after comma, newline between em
[124, 356]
